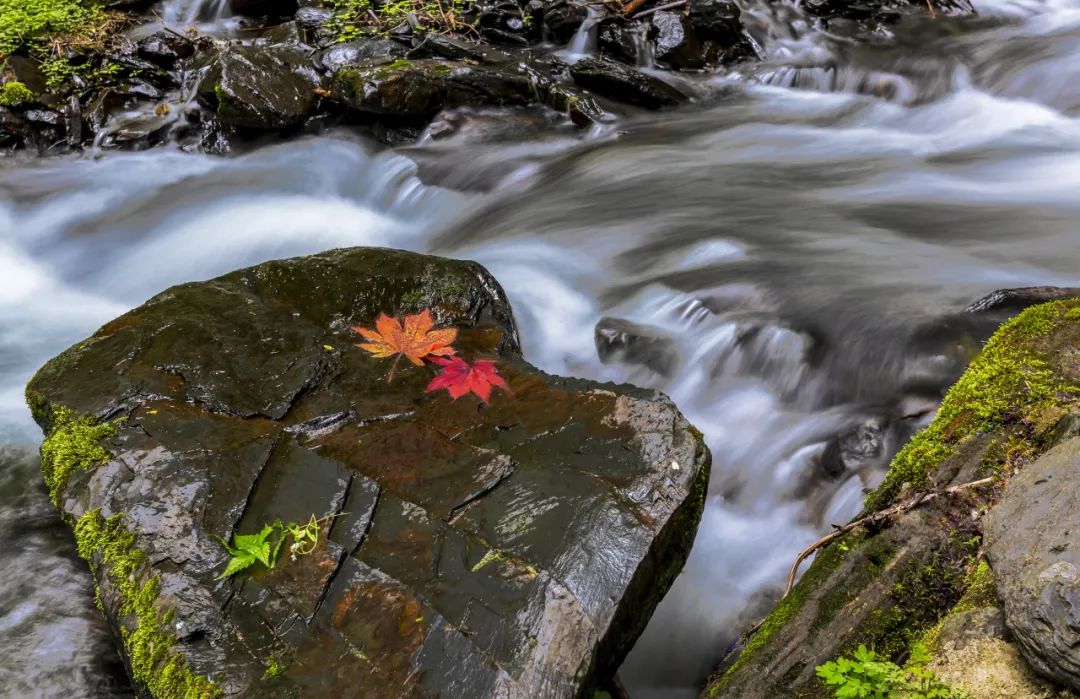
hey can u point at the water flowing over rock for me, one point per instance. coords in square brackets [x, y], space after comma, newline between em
[510, 549]
[1032, 547]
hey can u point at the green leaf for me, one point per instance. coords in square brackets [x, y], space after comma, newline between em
[236, 564]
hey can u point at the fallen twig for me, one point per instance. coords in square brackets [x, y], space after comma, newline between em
[839, 531]
[633, 6]
[874, 518]
[668, 6]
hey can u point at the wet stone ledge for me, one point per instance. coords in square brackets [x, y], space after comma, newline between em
[515, 548]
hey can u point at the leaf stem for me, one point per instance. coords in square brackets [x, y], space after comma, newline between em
[393, 370]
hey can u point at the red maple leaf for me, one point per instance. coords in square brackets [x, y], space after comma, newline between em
[459, 378]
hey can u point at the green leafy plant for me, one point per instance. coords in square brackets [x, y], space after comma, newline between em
[264, 547]
[865, 676]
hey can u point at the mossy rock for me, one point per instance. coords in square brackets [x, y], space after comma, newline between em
[422, 88]
[514, 548]
[891, 587]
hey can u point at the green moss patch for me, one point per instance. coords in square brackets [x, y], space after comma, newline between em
[74, 444]
[52, 30]
[13, 93]
[24, 21]
[106, 544]
[1014, 379]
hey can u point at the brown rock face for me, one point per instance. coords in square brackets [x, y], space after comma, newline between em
[510, 549]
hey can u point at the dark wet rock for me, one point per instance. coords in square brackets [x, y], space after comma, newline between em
[14, 130]
[461, 49]
[863, 446]
[562, 20]
[624, 84]
[621, 39]
[502, 22]
[260, 87]
[513, 549]
[1033, 548]
[676, 41]
[25, 70]
[580, 107]
[1015, 300]
[165, 49]
[422, 88]
[620, 340]
[313, 22]
[348, 55]
[717, 20]
[258, 8]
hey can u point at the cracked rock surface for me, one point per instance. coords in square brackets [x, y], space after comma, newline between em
[514, 549]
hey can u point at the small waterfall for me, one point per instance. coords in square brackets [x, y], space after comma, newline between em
[163, 121]
[644, 48]
[584, 41]
[192, 11]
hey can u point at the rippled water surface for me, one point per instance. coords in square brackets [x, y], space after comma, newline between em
[792, 248]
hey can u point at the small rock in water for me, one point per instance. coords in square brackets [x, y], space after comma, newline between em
[620, 340]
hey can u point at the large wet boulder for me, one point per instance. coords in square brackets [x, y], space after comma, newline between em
[422, 88]
[467, 549]
[622, 83]
[1032, 547]
[263, 87]
[912, 573]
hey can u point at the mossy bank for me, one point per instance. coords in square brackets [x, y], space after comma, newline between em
[896, 584]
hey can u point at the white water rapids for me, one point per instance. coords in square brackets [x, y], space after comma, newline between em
[788, 240]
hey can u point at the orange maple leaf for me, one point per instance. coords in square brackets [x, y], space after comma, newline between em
[413, 339]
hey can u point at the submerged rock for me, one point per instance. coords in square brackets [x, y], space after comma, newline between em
[1034, 549]
[509, 549]
[265, 87]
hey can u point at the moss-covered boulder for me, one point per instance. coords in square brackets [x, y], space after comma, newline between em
[896, 582]
[422, 88]
[265, 87]
[514, 548]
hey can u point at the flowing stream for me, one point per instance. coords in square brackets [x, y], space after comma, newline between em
[787, 247]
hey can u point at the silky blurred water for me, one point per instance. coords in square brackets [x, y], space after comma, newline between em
[788, 240]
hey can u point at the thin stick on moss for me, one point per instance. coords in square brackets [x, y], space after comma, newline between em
[876, 518]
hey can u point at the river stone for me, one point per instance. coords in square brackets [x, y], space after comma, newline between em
[625, 84]
[264, 87]
[510, 549]
[676, 42]
[1032, 547]
[421, 88]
